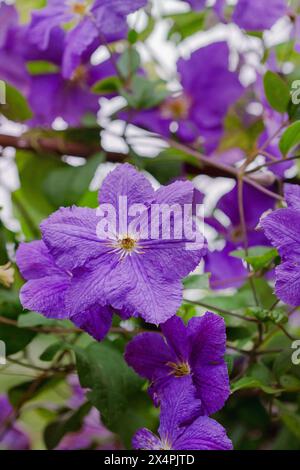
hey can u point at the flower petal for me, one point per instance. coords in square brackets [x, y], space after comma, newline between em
[203, 434]
[148, 355]
[176, 335]
[35, 261]
[146, 440]
[46, 295]
[96, 321]
[125, 180]
[70, 234]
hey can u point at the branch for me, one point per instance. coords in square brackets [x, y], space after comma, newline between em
[56, 146]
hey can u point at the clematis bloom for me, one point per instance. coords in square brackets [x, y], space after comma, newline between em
[119, 272]
[196, 351]
[180, 428]
[104, 20]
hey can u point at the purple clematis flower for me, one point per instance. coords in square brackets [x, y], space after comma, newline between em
[46, 290]
[12, 63]
[180, 428]
[256, 15]
[227, 271]
[52, 96]
[93, 433]
[282, 229]
[102, 20]
[13, 438]
[196, 350]
[95, 276]
[208, 92]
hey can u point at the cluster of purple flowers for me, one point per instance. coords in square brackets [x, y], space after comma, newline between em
[189, 381]
[73, 274]
[65, 90]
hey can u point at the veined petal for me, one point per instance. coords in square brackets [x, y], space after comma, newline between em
[46, 295]
[35, 261]
[203, 434]
[148, 354]
[146, 440]
[96, 321]
[70, 234]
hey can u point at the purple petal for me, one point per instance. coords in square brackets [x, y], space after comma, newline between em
[251, 14]
[77, 41]
[148, 355]
[35, 261]
[46, 19]
[152, 297]
[210, 374]
[125, 180]
[182, 251]
[146, 440]
[287, 286]
[203, 434]
[46, 295]
[8, 20]
[292, 195]
[176, 335]
[96, 321]
[179, 407]
[70, 234]
[282, 227]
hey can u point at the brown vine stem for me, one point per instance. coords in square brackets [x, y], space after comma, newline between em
[234, 172]
[221, 310]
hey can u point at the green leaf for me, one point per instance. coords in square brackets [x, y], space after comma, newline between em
[50, 352]
[277, 91]
[38, 67]
[249, 383]
[258, 257]
[16, 107]
[167, 165]
[116, 391]
[186, 24]
[25, 8]
[144, 93]
[128, 63]
[197, 281]
[33, 319]
[66, 186]
[107, 86]
[292, 422]
[14, 338]
[290, 138]
[70, 423]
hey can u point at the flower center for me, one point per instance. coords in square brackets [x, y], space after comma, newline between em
[179, 369]
[176, 108]
[80, 74]
[236, 234]
[128, 244]
[79, 8]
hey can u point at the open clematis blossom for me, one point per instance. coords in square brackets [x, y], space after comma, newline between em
[104, 20]
[196, 351]
[180, 428]
[95, 273]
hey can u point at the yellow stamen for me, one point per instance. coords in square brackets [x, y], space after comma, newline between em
[79, 8]
[128, 244]
[179, 369]
[176, 108]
